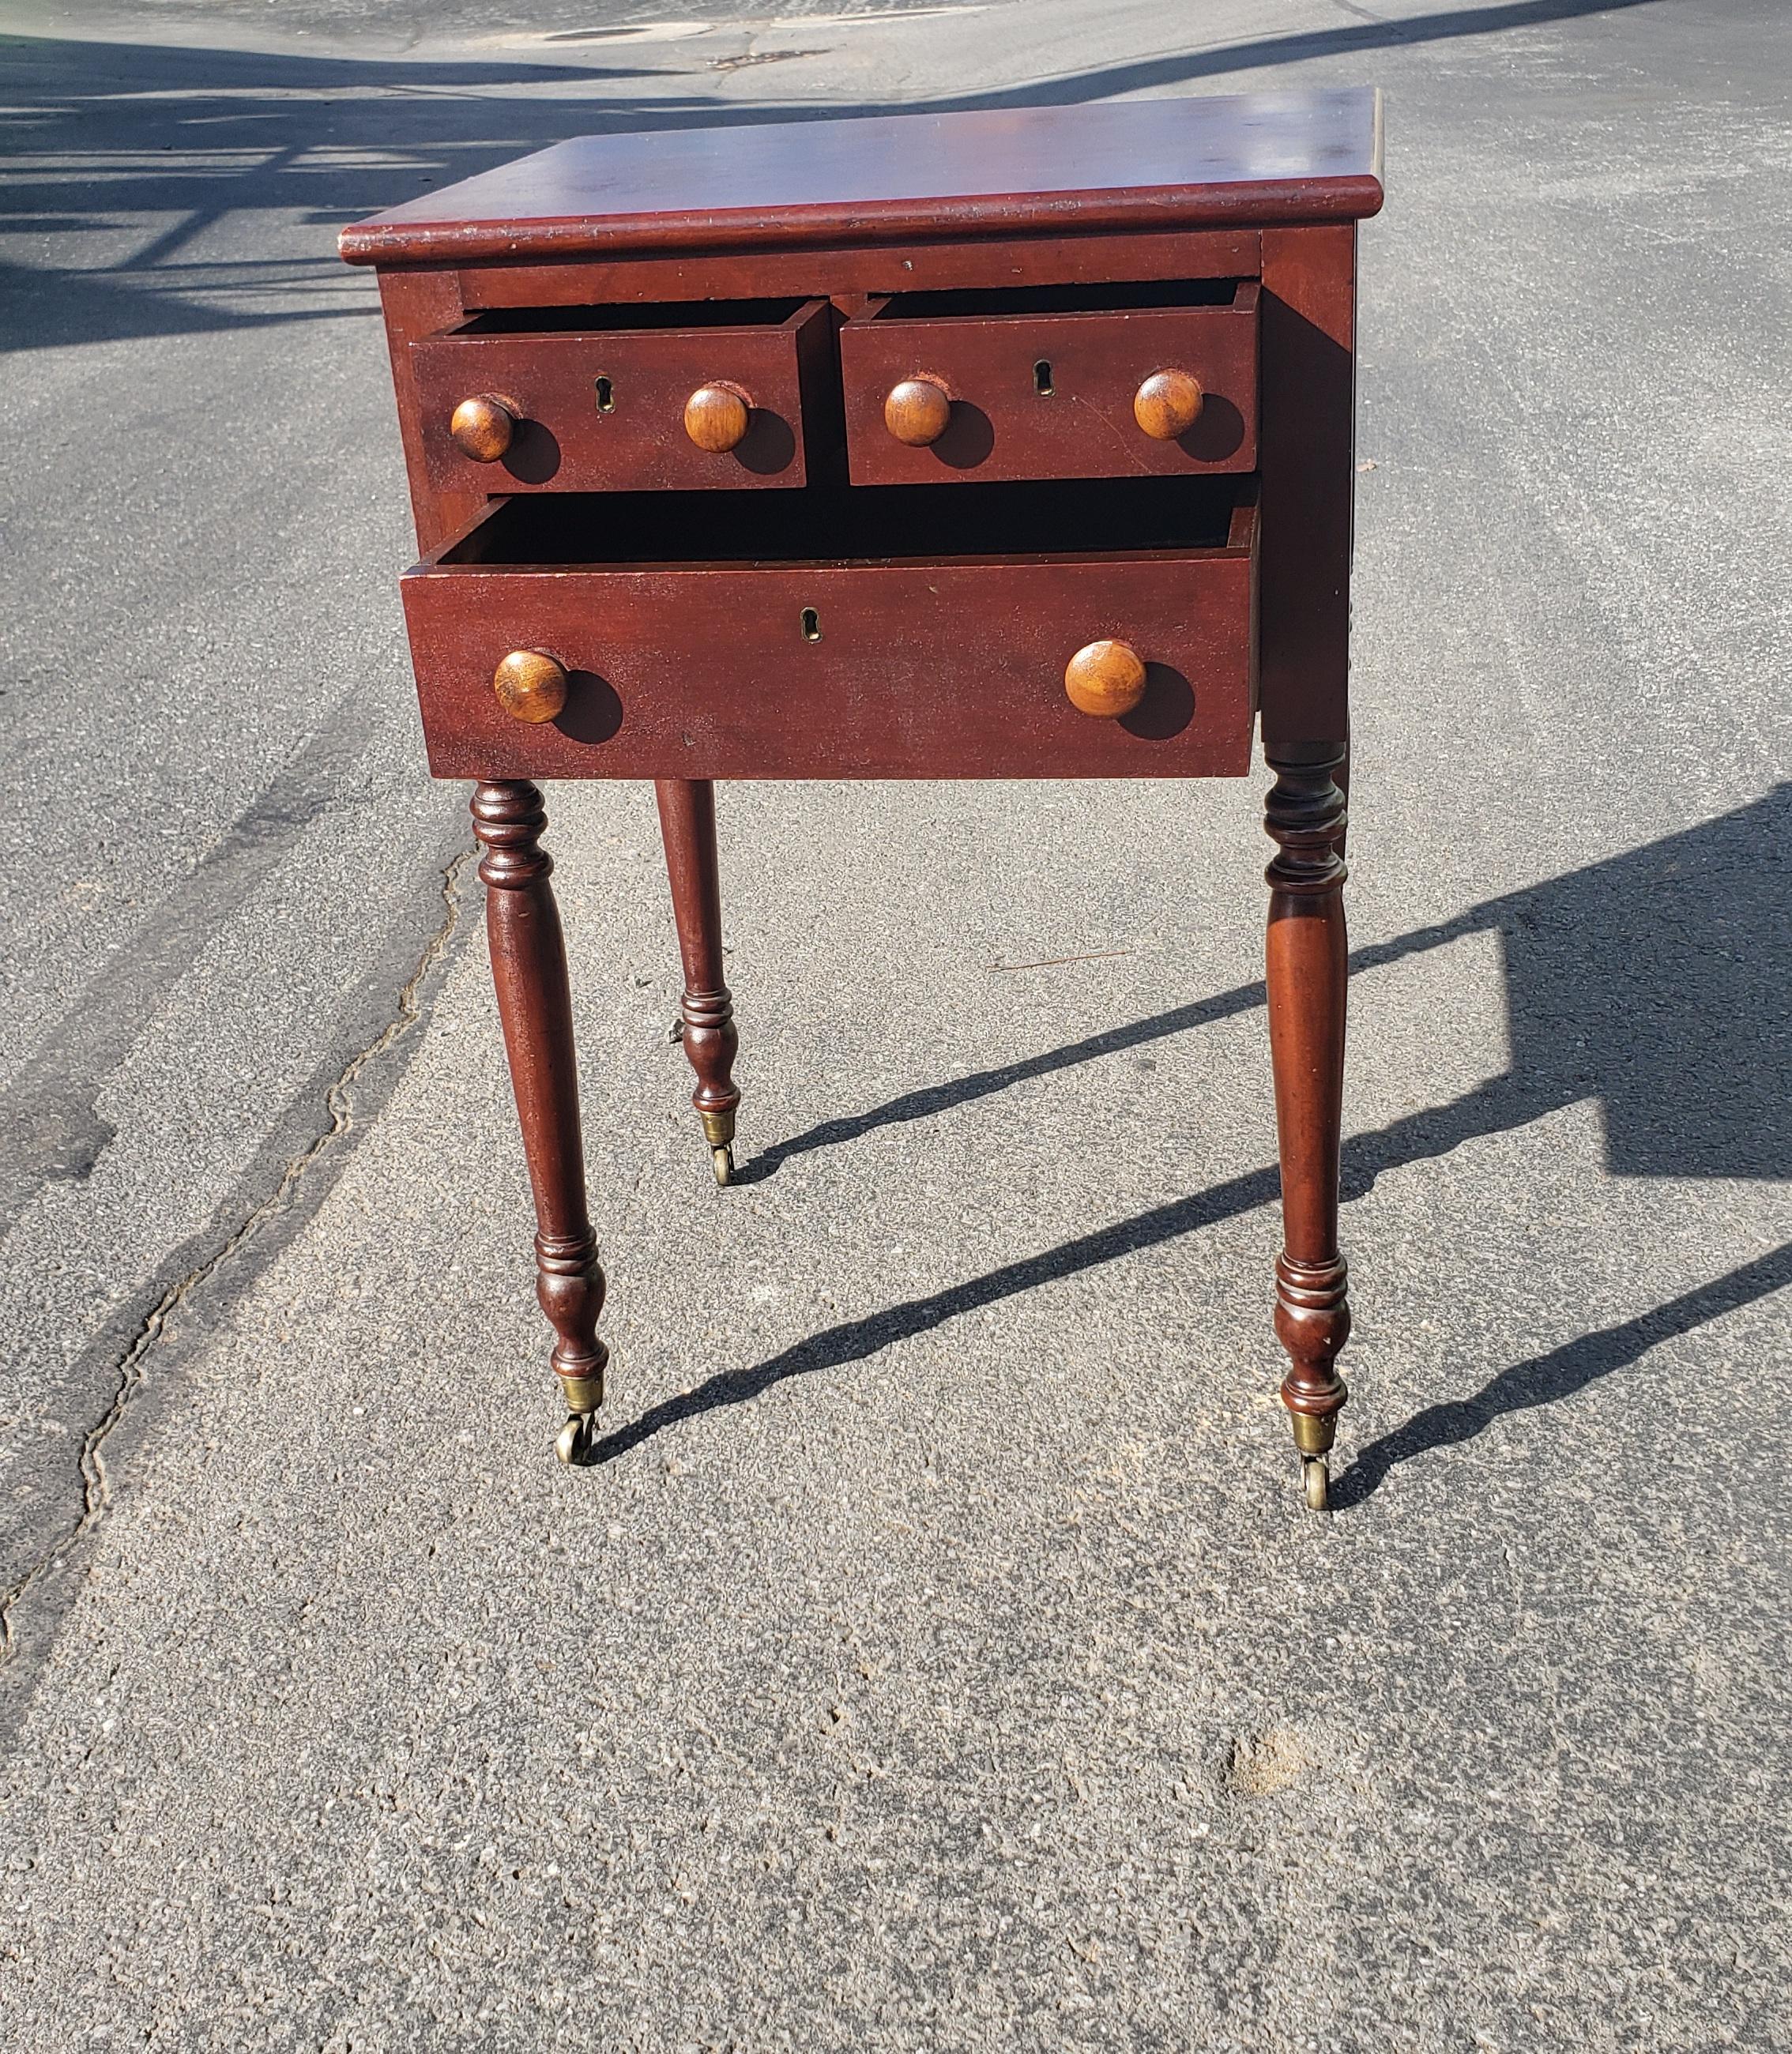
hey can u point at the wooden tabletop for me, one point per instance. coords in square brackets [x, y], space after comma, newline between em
[1164, 163]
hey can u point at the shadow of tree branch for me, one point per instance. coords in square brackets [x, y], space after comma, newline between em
[102, 134]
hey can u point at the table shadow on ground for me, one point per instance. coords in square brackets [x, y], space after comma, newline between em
[1654, 982]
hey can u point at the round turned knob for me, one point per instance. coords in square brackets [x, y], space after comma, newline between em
[1167, 404]
[530, 685]
[917, 411]
[717, 417]
[1106, 679]
[481, 427]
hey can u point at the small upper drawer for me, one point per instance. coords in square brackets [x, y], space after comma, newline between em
[1052, 384]
[621, 398]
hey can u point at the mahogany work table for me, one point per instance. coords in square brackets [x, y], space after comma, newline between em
[980, 445]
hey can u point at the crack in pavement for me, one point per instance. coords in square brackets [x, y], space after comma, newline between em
[338, 1102]
[49, 1111]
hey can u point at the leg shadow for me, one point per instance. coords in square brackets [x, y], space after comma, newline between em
[1546, 1379]
[1434, 1133]
[856, 1340]
[1653, 983]
[931, 1100]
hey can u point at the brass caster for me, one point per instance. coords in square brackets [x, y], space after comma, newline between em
[575, 1439]
[1316, 1481]
[723, 1159]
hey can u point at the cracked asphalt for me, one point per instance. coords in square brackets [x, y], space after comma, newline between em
[939, 1657]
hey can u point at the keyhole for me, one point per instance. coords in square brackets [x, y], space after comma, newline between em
[1042, 378]
[606, 397]
[811, 624]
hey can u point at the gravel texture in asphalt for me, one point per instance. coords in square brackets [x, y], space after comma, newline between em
[939, 1656]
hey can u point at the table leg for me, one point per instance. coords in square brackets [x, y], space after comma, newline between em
[529, 970]
[1307, 968]
[687, 822]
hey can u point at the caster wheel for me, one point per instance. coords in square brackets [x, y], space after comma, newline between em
[573, 1443]
[1316, 1481]
[723, 1159]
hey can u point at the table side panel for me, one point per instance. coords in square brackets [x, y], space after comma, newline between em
[415, 303]
[1308, 468]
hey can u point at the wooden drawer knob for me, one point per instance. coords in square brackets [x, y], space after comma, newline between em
[481, 427]
[1167, 404]
[530, 685]
[717, 417]
[1106, 679]
[917, 411]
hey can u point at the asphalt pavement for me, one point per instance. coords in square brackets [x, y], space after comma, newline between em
[940, 1657]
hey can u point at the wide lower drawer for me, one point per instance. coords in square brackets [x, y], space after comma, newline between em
[591, 400]
[1116, 391]
[869, 663]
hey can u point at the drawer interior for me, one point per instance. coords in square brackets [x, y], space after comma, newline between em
[630, 319]
[866, 523]
[1063, 300]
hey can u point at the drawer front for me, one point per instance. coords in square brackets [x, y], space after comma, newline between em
[604, 411]
[1054, 396]
[902, 670]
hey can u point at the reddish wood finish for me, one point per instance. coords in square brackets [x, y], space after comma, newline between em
[416, 304]
[529, 970]
[1307, 966]
[859, 270]
[1164, 304]
[1308, 479]
[687, 826]
[1249, 159]
[566, 442]
[1082, 424]
[952, 669]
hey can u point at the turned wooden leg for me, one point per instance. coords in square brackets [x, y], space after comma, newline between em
[529, 970]
[1307, 970]
[688, 822]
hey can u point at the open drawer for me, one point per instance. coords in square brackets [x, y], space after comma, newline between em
[622, 399]
[1115, 382]
[822, 636]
